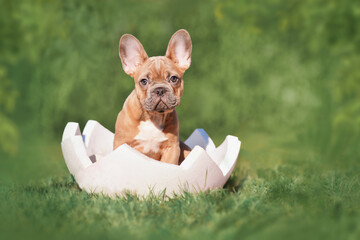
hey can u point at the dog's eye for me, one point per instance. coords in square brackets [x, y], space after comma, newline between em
[174, 79]
[143, 81]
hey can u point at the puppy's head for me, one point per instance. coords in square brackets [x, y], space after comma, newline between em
[158, 80]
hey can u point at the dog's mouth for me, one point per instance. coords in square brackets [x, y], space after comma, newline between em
[161, 106]
[160, 99]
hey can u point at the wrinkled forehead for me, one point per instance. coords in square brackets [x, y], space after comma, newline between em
[158, 68]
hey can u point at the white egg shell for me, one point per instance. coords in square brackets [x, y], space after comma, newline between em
[97, 168]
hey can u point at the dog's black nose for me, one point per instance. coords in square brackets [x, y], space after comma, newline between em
[160, 91]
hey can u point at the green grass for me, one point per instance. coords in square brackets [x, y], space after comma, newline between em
[275, 206]
[274, 193]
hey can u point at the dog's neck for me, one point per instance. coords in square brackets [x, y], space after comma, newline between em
[158, 119]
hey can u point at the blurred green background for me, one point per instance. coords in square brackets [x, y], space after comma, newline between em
[283, 76]
[286, 71]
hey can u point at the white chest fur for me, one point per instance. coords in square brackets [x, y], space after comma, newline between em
[150, 137]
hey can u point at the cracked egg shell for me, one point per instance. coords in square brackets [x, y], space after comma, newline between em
[97, 168]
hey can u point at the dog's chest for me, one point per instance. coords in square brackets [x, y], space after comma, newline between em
[149, 137]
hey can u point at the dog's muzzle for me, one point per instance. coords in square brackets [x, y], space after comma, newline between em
[160, 98]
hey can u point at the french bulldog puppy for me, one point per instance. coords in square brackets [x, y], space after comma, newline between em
[148, 120]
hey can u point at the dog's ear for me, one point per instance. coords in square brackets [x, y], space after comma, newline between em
[132, 53]
[179, 49]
